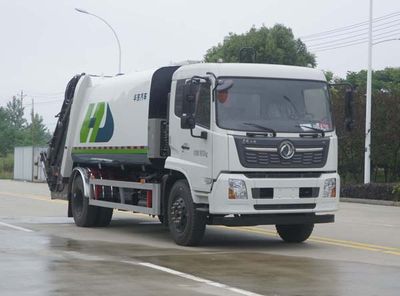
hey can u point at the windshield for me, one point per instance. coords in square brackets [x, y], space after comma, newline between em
[257, 104]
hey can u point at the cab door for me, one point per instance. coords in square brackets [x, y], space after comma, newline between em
[191, 154]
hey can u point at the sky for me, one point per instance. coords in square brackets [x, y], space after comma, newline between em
[45, 42]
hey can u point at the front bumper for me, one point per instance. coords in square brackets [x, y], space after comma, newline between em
[271, 219]
[286, 198]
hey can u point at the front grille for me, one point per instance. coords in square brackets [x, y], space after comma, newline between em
[268, 193]
[262, 175]
[286, 207]
[263, 153]
[273, 158]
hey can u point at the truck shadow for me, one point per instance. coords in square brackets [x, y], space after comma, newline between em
[216, 238]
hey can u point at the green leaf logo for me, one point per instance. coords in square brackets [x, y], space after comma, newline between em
[92, 123]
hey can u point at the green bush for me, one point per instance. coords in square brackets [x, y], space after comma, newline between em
[6, 166]
[396, 191]
[379, 191]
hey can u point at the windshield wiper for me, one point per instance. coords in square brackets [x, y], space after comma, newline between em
[293, 106]
[312, 128]
[265, 128]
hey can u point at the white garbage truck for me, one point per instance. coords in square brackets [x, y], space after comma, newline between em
[199, 144]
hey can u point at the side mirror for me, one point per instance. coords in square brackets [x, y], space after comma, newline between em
[349, 110]
[224, 85]
[189, 104]
[187, 121]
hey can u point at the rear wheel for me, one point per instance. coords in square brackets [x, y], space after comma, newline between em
[84, 214]
[104, 217]
[296, 233]
[186, 225]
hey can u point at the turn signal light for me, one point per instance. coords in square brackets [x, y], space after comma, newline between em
[329, 188]
[237, 189]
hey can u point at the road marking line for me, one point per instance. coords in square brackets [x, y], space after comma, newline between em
[15, 227]
[344, 245]
[356, 243]
[34, 197]
[337, 242]
[194, 278]
[392, 253]
[328, 241]
[270, 233]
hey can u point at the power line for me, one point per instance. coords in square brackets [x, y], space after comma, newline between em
[50, 101]
[355, 43]
[47, 102]
[378, 19]
[47, 97]
[388, 34]
[40, 94]
[336, 42]
[351, 36]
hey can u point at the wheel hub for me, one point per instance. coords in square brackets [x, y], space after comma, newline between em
[179, 214]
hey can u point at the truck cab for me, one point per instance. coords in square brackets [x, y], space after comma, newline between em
[263, 143]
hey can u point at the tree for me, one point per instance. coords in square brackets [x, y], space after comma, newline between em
[36, 133]
[275, 45]
[15, 131]
[384, 81]
[15, 113]
[5, 143]
[329, 76]
[16, 122]
[385, 147]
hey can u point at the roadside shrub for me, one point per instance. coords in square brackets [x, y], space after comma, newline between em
[396, 191]
[379, 191]
[6, 166]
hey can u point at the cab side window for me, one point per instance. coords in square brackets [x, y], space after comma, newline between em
[203, 106]
[203, 101]
[180, 84]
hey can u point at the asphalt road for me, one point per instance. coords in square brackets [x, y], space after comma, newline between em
[43, 253]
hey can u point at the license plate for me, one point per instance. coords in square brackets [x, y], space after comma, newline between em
[286, 193]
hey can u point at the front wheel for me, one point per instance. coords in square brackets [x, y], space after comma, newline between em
[187, 226]
[296, 233]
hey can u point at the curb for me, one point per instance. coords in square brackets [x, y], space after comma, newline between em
[371, 201]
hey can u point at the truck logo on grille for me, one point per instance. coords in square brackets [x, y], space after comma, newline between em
[286, 150]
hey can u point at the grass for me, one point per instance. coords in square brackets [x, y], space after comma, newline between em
[6, 166]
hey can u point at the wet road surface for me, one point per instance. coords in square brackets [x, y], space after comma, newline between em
[43, 253]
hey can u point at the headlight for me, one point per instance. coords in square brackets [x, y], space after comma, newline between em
[237, 189]
[330, 188]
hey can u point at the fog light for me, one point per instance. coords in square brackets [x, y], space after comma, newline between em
[237, 189]
[330, 188]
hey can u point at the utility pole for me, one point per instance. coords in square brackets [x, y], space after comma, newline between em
[113, 31]
[33, 137]
[22, 96]
[368, 103]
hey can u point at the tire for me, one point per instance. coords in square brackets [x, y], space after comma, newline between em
[162, 219]
[187, 226]
[104, 216]
[84, 214]
[296, 233]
